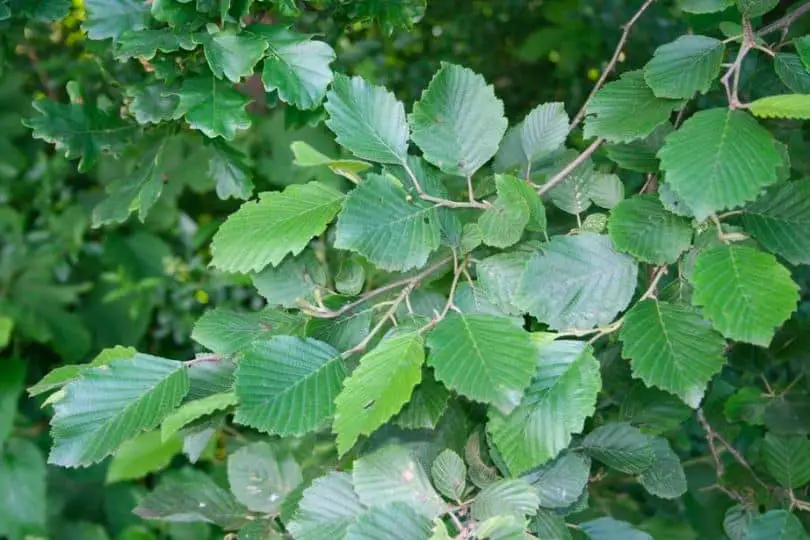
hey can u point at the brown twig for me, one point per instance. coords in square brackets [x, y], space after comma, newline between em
[731, 79]
[360, 347]
[785, 22]
[613, 61]
[438, 200]
[565, 171]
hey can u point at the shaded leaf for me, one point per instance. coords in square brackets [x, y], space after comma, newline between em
[261, 477]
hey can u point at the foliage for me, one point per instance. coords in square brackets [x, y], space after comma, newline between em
[423, 305]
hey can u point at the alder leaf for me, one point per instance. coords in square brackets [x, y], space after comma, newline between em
[542, 132]
[378, 388]
[449, 474]
[282, 223]
[261, 477]
[229, 170]
[212, 106]
[561, 396]
[744, 292]
[287, 385]
[684, 67]
[327, 508]
[385, 224]
[500, 275]
[147, 453]
[641, 227]
[665, 478]
[719, 159]
[112, 403]
[194, 410]
[502, 224]
[458, 122]
[607, 528]
[599, 282]
[775, 525]
[791, 71]
[512, 497]
[559, 483]
[786, 106]
[484, 357]
[394, 520]
[788, 459]
[780, 221]
[295, 279]
[620, 446]
[23, 489]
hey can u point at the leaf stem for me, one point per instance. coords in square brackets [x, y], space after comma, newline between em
[360, 347]
[438, 200]
[565, 171]
[659, 272]
[731, 79]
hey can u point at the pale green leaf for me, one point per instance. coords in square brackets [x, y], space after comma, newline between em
[110, 18]
[392, 475]
[573, 194]
[395, 520]
[502, 224]
[685, 66]
[346, 330]
[279, 224]
[607, 528]
[153, 103]
[665, 478]
[513, 497]
[225, 331]
[788, 459]
[484, 357]
[146, 43]
[212, 106]
[755, 8]
[306, 156]
[231, 54]
[382, 222]
[642, 227]
[378, 388]
[230, 172]
[562, 481]
[261, 476]
[606, 190]
[367, 120]
[62, 375]
[626, 110]
[671, 347]
[543, 131]
[736, 521]
[704, 6]
[780, 221]
[449, 474]
[744, 292]
[23, 496]
[113, 403]
[458, 123]
[287, 385]
[599, 282]
[775, 525]
[296, 278]
[785, 106]
[145, 454]
[194, 410]
[327, 508]
[791, 71]
[500, 275]
[620, 446]
[555, 405]
[719, 159]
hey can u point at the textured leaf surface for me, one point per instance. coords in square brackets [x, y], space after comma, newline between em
[426, 406]
[549, 525]
[506, 497]
[780, 221]
[671, 347]
[599, 282]
[640, 155]
[378, 388]
[367, 120]
[626, 110]
[665, 478]
[744, 292]
[393, 475]
[788, 459]
[449, 474]
[194, 410]
[642, 227]
[620, 446]
[483, 357]
[775, 525]
[22, 490]
[687, 65]
[225, 331]
[561, 482]
[542, 132]
[212, 106]
[287, 385]
[110, 404]
[229, 170]
[786, 106]
[146, 43]
[147, 453]
[458, 122]
[110, 18]
[394, 520]
[152, 104]
[231, 54]
[327, 508]
[500, 275]
[261, 477]
[502, 224]
[387, 226]
[294, 279]
[607, 528]
[719, 159]
[555, 405]
[280, 223]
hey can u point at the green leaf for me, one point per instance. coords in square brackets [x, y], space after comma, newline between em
[719, 159]
[426, 406]
[500, 275]
[665, 478]
[704, 6]
[367, 120]
[642, 227]
[607, 528]
[458, 123]
[180, 13]
[152, 104]
[395, 520]
[502, 224]
[555, 405]
[231, 54]
[225, 331]
[549, 526]
[12, 379]
[229, 171]
[620, 446]
[775, 525]
[193, 497]
[786, 106]
[287, 385]
[791, 71]
[261, 477]
[296, 278]
[653, 410]
[327, 508]
[81, 131]
[562, 481]
[484, 357]
[780, 221]
[606, 190]
[802, 45]
[23, 493]
[747, 404]
[640, 156]
[626, 110]
[342, 332]
[671, 347]
[788, 459]
[684, 67]
[572, 195]
[599, 282]
[146, 43]
[514, 497]
[212, 106]
[113, 403]
[745, 293]
[194, 410]
[62, 375]
[306, 156]
[41, 10]
[393, 475]
[543, 131]
[756, 8]
[278, 224]
[110, 18]
[449, 474]
[6, 327]
[391, 14]
[736, 521]
[297, 67]
[147, 453]
[378, 388]
[382, 222]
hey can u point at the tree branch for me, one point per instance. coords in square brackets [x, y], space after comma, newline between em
[785, 22]
[613, 61]
[560, 176]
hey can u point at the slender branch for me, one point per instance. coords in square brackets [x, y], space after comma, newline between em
[659, 272]
[360, 347]
[785, 22]
[731, 79]
[203, 359]
[459, 269]
[438, 200]
[712, 436]
[560, 176]
[613, 61]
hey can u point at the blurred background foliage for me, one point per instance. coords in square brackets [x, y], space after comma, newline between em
[68, 290]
